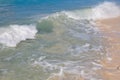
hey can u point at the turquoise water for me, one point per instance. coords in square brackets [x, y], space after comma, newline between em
[51, 39]
[23, 11]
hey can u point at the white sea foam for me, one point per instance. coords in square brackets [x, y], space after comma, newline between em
[106, 10]
[101, 11]
[14, 34]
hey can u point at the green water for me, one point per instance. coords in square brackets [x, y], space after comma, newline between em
[68, 44]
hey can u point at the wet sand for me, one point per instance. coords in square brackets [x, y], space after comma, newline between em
[110, 28]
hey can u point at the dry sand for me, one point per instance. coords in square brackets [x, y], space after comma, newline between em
[110, 28]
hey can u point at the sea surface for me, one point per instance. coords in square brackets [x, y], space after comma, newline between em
[52, 39]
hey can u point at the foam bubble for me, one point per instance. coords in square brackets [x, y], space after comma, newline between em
[106, 10]
[101, 11]
[14, 34]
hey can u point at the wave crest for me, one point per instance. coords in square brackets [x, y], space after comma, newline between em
[101, 11]
[15, 33]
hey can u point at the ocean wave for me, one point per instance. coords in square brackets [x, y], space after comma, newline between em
[101, 11]
[13, 34]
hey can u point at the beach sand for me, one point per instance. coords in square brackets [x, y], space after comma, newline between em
[110, 28]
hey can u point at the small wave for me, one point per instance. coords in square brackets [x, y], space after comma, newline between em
[14, 34]
[101, 11]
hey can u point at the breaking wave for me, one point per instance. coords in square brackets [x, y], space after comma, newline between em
[106, 10]
[70, 47]
[14, 34]
[102, 11]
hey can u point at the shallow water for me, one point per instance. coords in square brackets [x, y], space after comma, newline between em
[66, 45]
[73, 47]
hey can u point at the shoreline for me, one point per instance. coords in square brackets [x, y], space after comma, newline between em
[110, 28]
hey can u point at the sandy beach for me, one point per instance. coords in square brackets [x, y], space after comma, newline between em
[110, 28]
